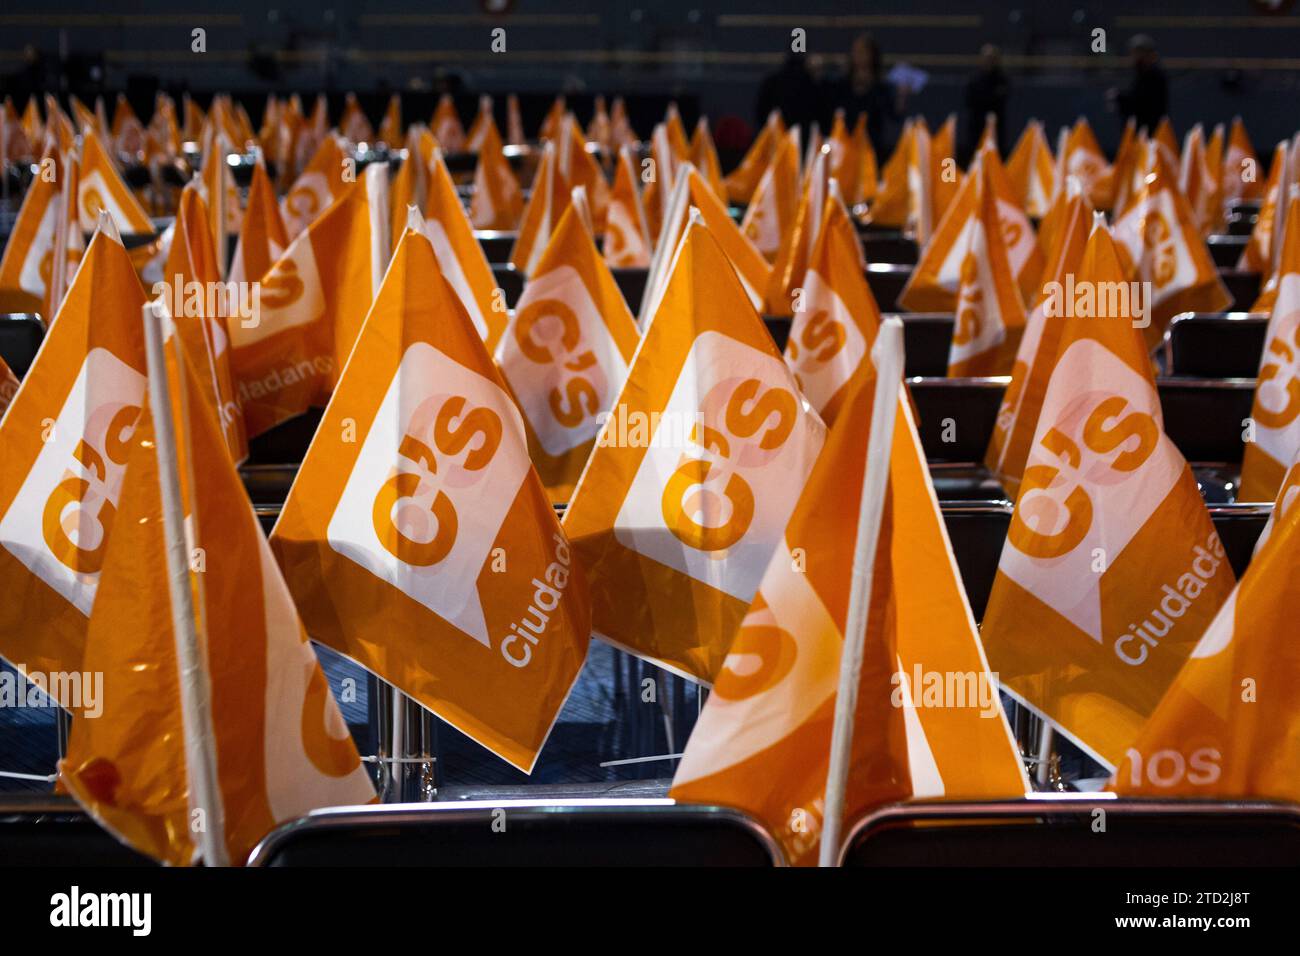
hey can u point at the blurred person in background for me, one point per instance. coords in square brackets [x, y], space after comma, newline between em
[793, 90]
[1147, 98]
[986, 93]
[864, 89]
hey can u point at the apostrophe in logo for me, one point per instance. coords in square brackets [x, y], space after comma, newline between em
[561, 361]
[1277, 396]
[715, 509]
[58, 524]
[825, 346]
[435, 478]
[1103, 452]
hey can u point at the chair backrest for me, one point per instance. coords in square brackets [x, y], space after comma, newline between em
[46, 830]
[20, 338]
[887, 280]
[599, 832]
[1084, 830]
[1216, 345]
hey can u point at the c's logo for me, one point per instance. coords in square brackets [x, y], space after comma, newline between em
[706, 504]
[79, 513]
[548, 333]
[1054, 492]
[283, 286]
[92, 201]
[1159, 237]
[1279, 374]
[413, 516]
[970, 305]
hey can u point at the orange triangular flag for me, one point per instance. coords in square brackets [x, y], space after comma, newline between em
[891, 204]
[479, 127]
[798, 242]
[446, 126]
[8, 386]
[579, 168]
[1259, 254]
[566, 352]
[771, 213]
[666, 163]
[391, 544]
[63, 442]
[1274, 441]
[1083, 159]
[1227, 726]
[1111, 551]
[627, 238]
[100, 186]
[1161, 238]
[553, 120]
[279, 747]
[263, 237]
[549, 199]
[695, 474]
[354, 126]
[1197, 181]
[1032, 171]
[514, 122]
[704, 157]
[192, 291]
[762, 741]
[313, 301]
[319, 185]
[832, 335]
[390, 127]
[498, 202]
[460, 256]
[1241, 178]
[744, 179]
[1017, 420]
[27, 275]
[599, 129]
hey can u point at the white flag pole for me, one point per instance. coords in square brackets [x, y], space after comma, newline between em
[887, 356]
[196, 692]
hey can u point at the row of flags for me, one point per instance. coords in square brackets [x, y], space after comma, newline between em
[710, 482]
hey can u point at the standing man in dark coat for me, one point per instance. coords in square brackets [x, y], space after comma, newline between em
[1147, 99]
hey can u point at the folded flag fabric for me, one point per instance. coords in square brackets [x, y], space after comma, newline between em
[627, 236]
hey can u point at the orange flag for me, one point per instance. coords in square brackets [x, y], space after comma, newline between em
[446, 126]
[579, 168]
[553, 120]
[891, 204]
[694, 474]
[762, 741]
[1227, 726]
[599, 129]
[263, 237]
[1017, 421]
[989, 314]
[426, 549]
[744, 179]
[100, 186]
[319, 185]
[1166, 142]
[353, 124]
[704, 157]
[498, 202]
[279, 743]
[934, 282]
[1084, 160]
[692, 192]
[852, 160]
[771, 213]
[1282, 262]
[832, 335]
[63, 445]
[313, 300]
[410, 187]
[390, 127]
[566, 352]
[798, 242]
[1032, 171]
[546, 204]
[1260, 253]
[1274, 441]
[627, 238]
[28, 281]
[478, 129]
[1199, 184]
[1241, 177]
[221, 194]
[666, 165]
[8, 386]
[514, 122]
[460, 256]
[1112, 568]
[192, 291]
[1160, 236]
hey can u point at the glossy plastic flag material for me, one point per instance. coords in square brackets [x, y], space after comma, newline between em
[280, 744]
[313, 300]
[762, 741]
[695, 474]
[565, 353]
[831, 337]
[63, 448]
[426, 549]
[627, 237]
[1112, 568]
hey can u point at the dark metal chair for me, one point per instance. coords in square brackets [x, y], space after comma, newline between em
[1215, 344]
[47, 830]
[575, 832]
[1077, 830]
[20, 339]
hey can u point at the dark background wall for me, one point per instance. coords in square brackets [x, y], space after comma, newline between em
[1223, 56]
